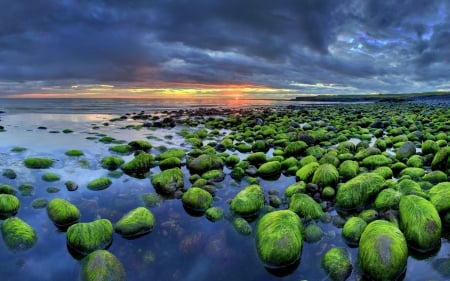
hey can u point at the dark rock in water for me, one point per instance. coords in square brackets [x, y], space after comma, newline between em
[71, 185]
[9, 173]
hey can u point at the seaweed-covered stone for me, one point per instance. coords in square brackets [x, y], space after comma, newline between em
[111, 162]
[9, 205]
[123, 149]
[197, 199]
[9, 173]
[101, 265]
[270, 169]
[140, 145]
[62, 212]
[384, 171]
[214, 175]
[415, 161]
[204, 163]
[99, 184]
[139, 165]
[7, 189]
[50, 177]
[388, 198]
[375, 161]
[87, 237]
[429, 147]
[440, 159]
[369, 215]
[173, 152]
[435, 177]
[366, 152]
[348, 169]
[336, 263]
[256, 158]
[305, 207]
[38, 163]
[135, 223]
[17, 234]
[298, 187]
[39, 203]
[279, 238]
[242, 226]
[406, 150]
[306, 172]
[352, 230]
[383, 251]
[357, 192]
[420, 223]
[74, 153]
[214, 213]
[326, 175]
[414, 173]
[295, 148]
[248, 201]
[312, 233]
[169, 163]
[168, 181]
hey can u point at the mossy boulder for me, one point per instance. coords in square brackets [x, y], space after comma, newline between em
[305, 207]
[348, 169]
[214, 175]
[359, 190]
[306, 172]
[270, 169]
[298, 187]
[429, 147]
[62, 212]
[135, 223]
[38, 163]
[169, 163]
[406, 150]
[415, 161]
[168, 181]
[366, 152]
[17, 234]
[312, 233]
[50, 177]
[435, 177]
[74, 153]
[197, 199]
[295, 148]
[383, 251]
[9, 205]
[384, 171]
[420, 223]
[214, 213]
[375, 161]
[414, 173]
[172, 152]
[388, 198]
[337, 264]
[123, 149]
[257, 158]
[111, 162]
[99, 184]
[84, 238]
[140, 145]
[139, 165]
[279, 238]
[101, 265]
[9, 173]
[325, 175]
[7, 189]
[440, 159]
[248, 201]
[242, 226]
[352, 230]
[204, 163]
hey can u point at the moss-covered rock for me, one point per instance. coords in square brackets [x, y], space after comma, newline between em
[366, 152]
[123, 149]
[140, 145]
[7, 189]
[336, 263]
[17, 234]
[312, 233]
[74, 153]
[375, 161]
[168, 181]
[429, 147]
[204, 163]
[406, 150]
[139, 165]
[248, 201]
[359, 190]
[388, 198]
[326, 175]
[197, 199]
[352, 230]
[9, 173]
[38, 163]
[298, 187]
[135, 223]
[101, 265]
[99, 184]
[214, 213]
[169, 163]
[257, 158]
[415, 161]
[384, 171]
[62, 212]
[279, 238]
[295, 148]
[9, 205]
[435, 177]
[111, 162]
[39, 203]
[383, 251]
[215, 175]
[348, 169]
[84, 238]
[270, 169]
[173, 152]
[420, 223]
[305, 207]
[414, 173]
[306, 172]
[242, 226]
[50, 177]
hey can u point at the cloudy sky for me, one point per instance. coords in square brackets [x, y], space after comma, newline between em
[252, 47]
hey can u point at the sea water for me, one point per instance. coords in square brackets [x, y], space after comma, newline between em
[181, 246]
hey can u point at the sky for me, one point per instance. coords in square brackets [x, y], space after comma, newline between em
[251, 48]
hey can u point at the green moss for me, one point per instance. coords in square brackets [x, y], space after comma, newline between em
[9, 173]
[306, 172]
[140, 145]
[18, 235]
[39, 203]
[99, 184]
[256, 158]
[101, 265]
[169, 163]
[429, 147]
[414, 173]
[9, 205]
[52, 189]
[305, 207]
[383, 251]
[375, 161]
[214, 213]
[204, 163]
[279, 238]
[62, 212]
[388, 199]
[84, 238]
[123, 149]
[173, 152]
[197, 199]
[26, 189]
[298, 187]
[248, 201]
[7, 189]
[312, 233]
[420, 223]
[406, 150]
[306, 160]
[50, 177]
[440, 159]
[214, 175]
[135, 223]
[38, 163]
[440, 196]
[168, 181]
[328, 193]
[74, 152]
[232, 160]
[237, 173]
[295, 148]
[270, 169]
[366, 152]
[151, 200]
[352, 230]
[18, 149]
[139, 165]
[358, 191]
[336, 263]
[369, 215]
[435, 177]
[348, 169]
[326, 175]
[242, 226]
[415, 161]
[384, 171]
[111, 162]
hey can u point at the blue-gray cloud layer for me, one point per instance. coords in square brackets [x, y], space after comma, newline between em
[312, 45]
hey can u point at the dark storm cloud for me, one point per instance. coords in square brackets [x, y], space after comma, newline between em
[355, 45]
